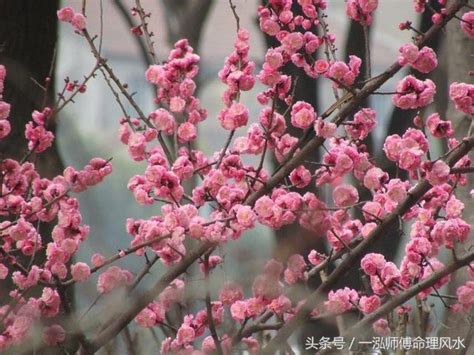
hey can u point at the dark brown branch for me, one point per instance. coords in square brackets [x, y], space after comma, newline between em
[463, 170]
[124, 91]
[210, 319]
[149, 42]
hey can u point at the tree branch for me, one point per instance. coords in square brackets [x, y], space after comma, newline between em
[362, 326]
[319, 295]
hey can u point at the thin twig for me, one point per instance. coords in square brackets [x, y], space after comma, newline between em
[236, 16]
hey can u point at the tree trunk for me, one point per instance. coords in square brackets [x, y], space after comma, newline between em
[399, 122]
[28, 34]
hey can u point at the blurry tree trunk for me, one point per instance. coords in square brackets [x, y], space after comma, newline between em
[293, 238]
[355, 45]
[28, 34]
[399, 122]
[460, 52]
[186, 19]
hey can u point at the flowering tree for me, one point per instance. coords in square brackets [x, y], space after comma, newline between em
[239, 195]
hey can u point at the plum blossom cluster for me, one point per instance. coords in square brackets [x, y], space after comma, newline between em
[28, 200]
[420, 5]
[412, 93]
[233, 196]
[424, 60]
[462, 95]
[5, 126]
[39, 138]
[237, 74]
[38, 200]
[76, 19]
[467, 23]
[175, 92]
[361, 10]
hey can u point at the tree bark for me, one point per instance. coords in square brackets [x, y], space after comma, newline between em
[28, 35]
[185, 19]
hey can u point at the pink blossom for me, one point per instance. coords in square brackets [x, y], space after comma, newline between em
[341, 301]
[372, 211]
[426, 60]
[368, 304]
[345, 195]
[321, 66]
[413, 93]
[245, 216]
[79, 22]
[300, 177]
[295, 269]
[423, 60]
[208, 345]
[324, 129]
[361, 10]
[408, 53]
[467, 23]
[164, 121]
[97, 260]
[154, 74]
[177, 104]
[187, 132]
[146, 318]
[437, 127]
[112, 278]
[438, 173]
[292, 42]
[316, 217]
[465, 294]
[238, 310]
[234, 117]
[273, 59]
[463, 96]
[371, 263]
[185, 334]
[39, 139]
[375, 178]
[363, 123]
[316, 258]
[5, 128]
[230, 293]
[50, 302]
[80, 272]
[280, 305]
[66, 14]
[137, 146]
[19, 328]
[302, 115]
[367, 229]
[381, 327]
